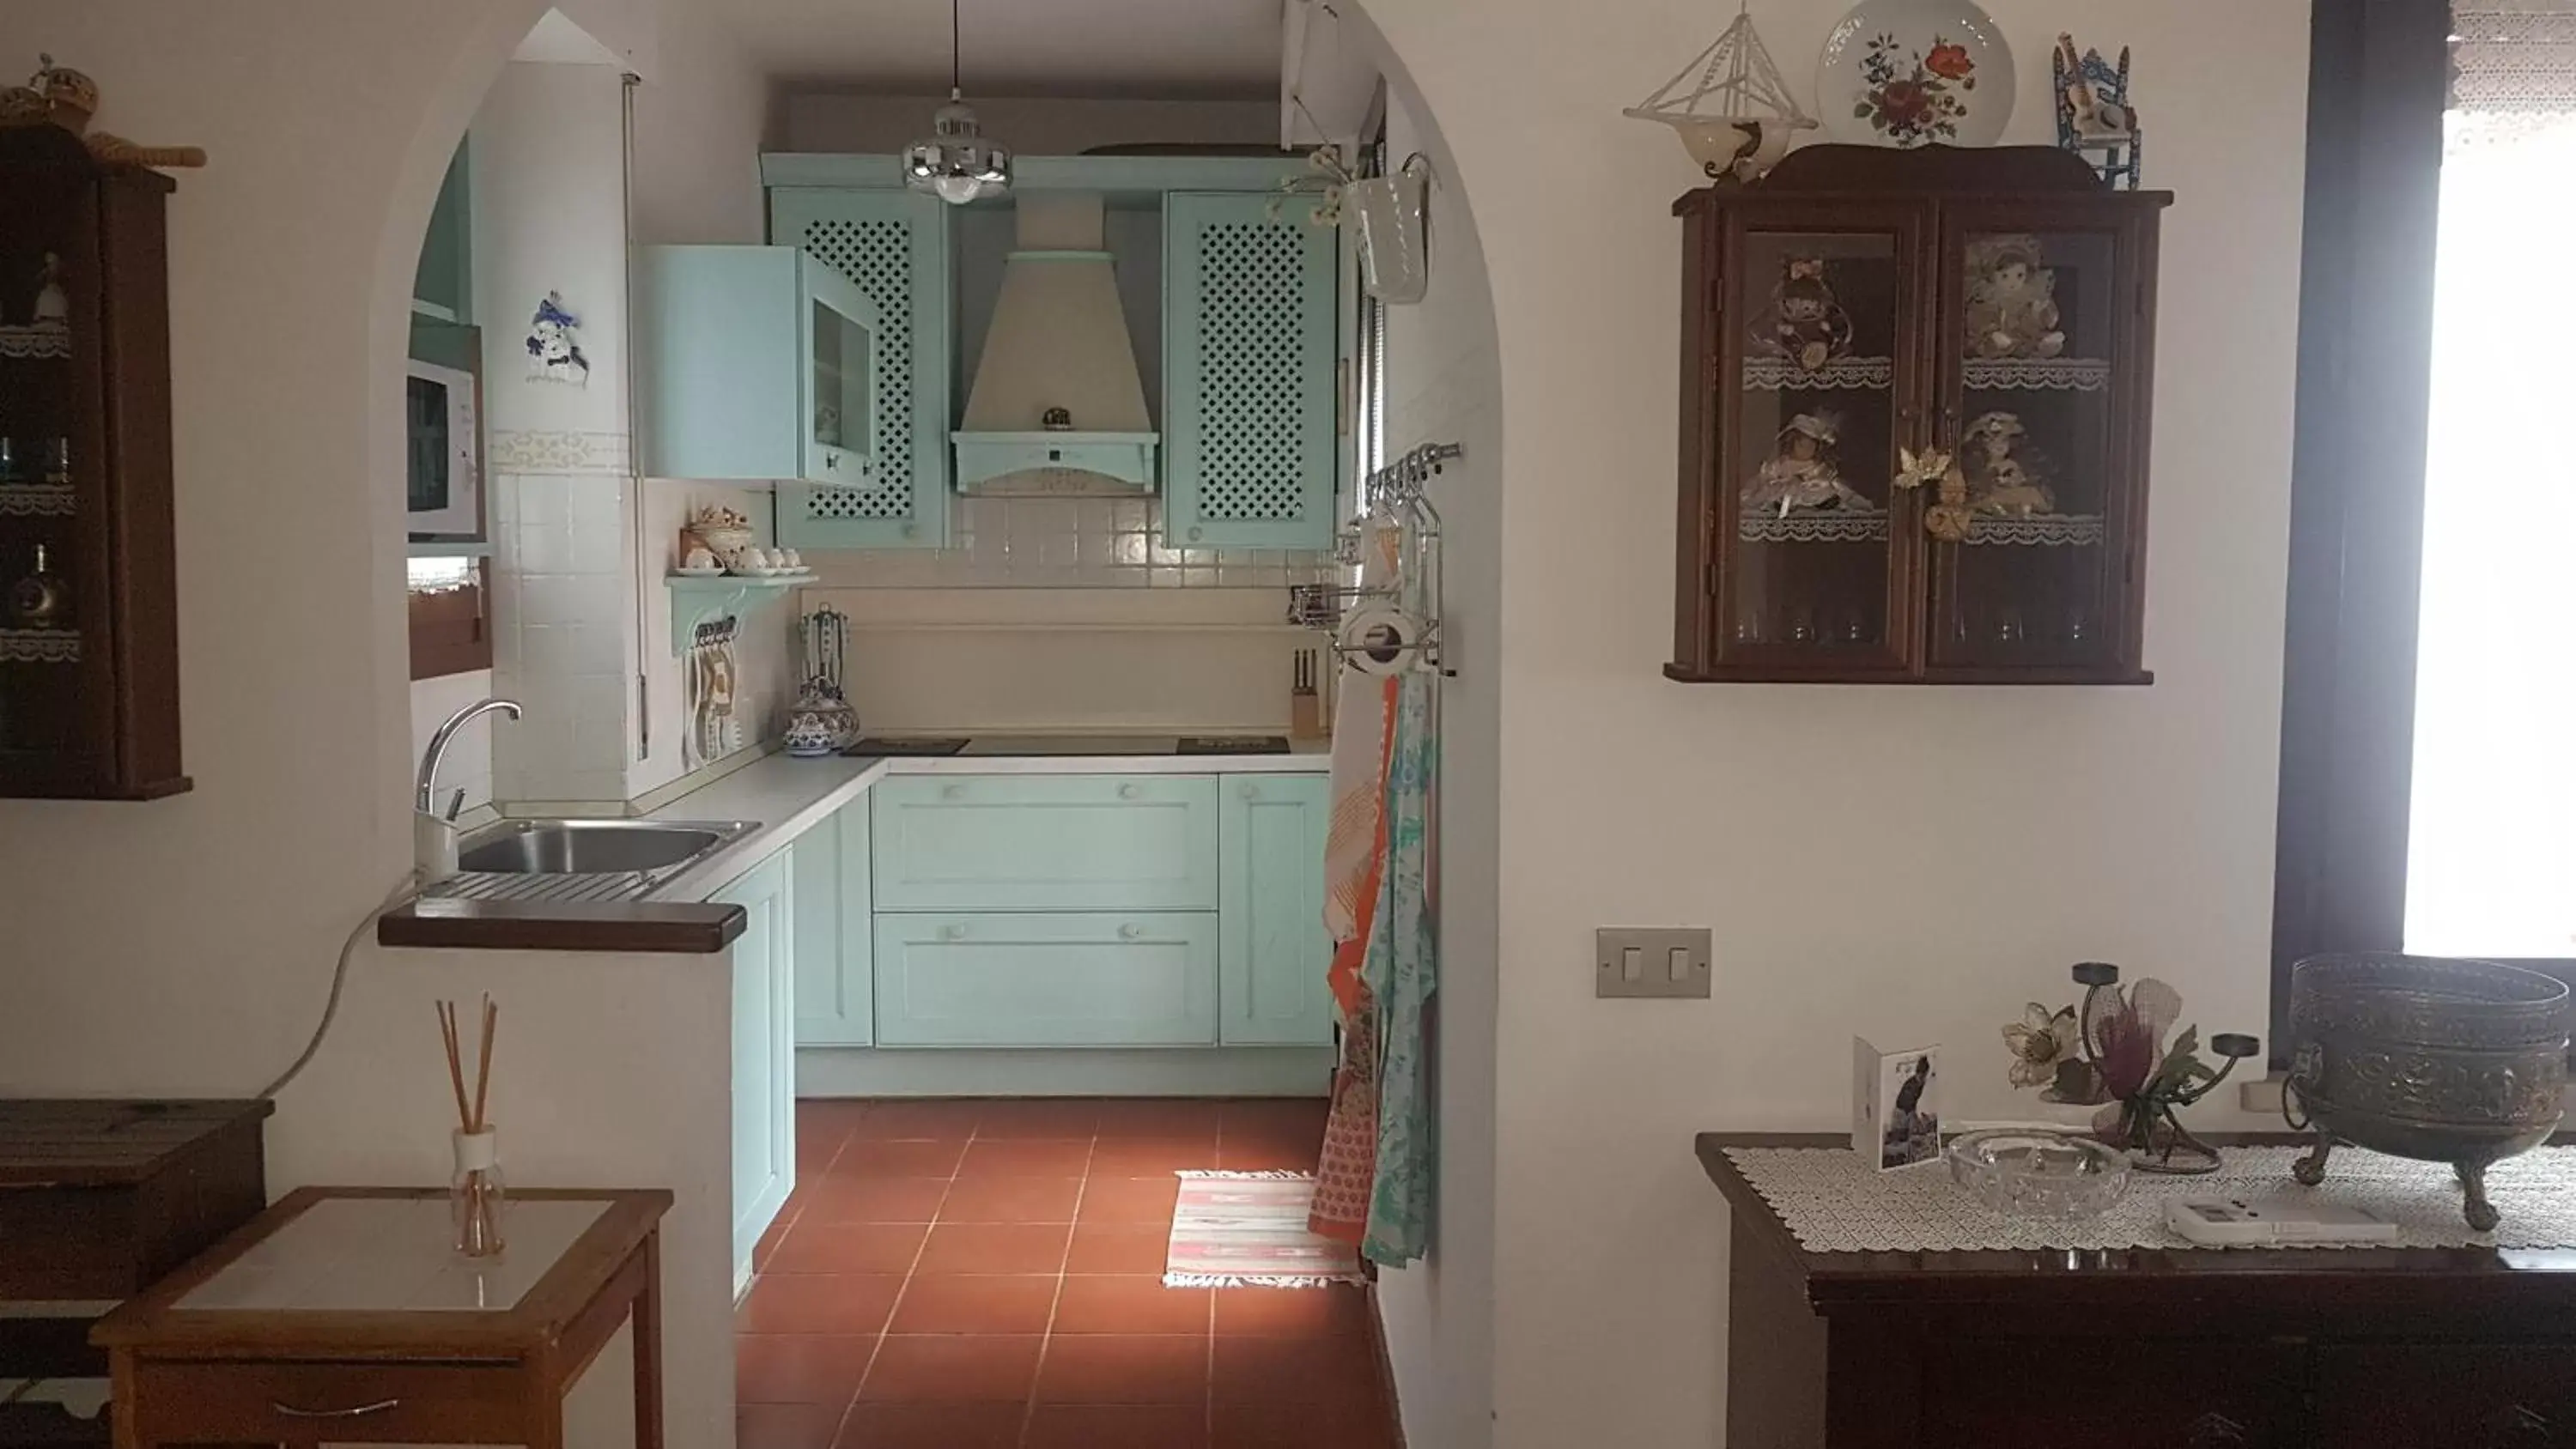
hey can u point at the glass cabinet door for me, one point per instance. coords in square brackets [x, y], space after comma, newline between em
[52, 611]
[2030, 531]
[1818, 354]
[842, 342]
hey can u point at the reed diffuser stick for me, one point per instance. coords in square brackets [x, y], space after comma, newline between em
[475, 1195]
[483, 1064]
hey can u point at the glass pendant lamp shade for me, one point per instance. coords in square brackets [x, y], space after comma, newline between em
[957, 163]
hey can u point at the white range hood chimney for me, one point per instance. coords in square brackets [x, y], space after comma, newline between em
[1057, 405]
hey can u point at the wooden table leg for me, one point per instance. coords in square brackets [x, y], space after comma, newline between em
[124, 1411]
[648, 1346]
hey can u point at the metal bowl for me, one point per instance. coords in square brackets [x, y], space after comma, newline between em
[2441, 1060]
[2030, 1173]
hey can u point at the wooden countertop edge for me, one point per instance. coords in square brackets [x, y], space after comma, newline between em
[651, 927]
[2359, 1275]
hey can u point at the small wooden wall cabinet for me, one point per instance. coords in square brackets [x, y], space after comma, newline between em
[1987, 316]
[89, 638]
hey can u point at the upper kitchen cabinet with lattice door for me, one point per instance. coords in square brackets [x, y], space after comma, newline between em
[891, 245]
[1248, 381]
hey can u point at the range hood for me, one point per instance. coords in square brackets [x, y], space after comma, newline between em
[1057, 405]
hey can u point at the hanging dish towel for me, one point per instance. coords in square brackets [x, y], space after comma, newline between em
[1354, 843]
[1400, 977]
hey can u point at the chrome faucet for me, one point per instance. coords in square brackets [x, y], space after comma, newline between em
[426, 800]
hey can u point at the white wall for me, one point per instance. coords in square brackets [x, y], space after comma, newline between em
[813, 120]
[1900, 863]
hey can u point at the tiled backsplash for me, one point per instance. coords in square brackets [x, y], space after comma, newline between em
[1065, 543]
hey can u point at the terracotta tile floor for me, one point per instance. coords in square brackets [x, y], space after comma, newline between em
[964, 1274]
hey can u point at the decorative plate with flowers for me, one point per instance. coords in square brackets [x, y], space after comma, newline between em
[1915, 73]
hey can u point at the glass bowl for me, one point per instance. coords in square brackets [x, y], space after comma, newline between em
[2033, 1173]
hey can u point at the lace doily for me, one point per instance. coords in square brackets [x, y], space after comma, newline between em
[2040, 530]
[1835, 1202]
[1779, 373]
[2056, 374]
[1812, 528]
[40, 646]
[36, 499]
[35, 342]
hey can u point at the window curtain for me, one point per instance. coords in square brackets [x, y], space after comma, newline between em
[2513, 70]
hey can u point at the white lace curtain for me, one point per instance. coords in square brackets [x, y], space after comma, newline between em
[2513, 69]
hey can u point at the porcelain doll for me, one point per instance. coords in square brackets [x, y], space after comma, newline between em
[1805, 325]
[1802, 474]
[2001, 469]
[2012, 300]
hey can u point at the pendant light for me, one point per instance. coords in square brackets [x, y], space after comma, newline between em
[957, 164]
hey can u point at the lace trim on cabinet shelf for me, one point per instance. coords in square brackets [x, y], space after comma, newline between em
[1834, 1201]
[2045, 530]
[1779, 374]
[40, 646]
[2056, 374]
[35, 342]
[37, 500]
[1812, 528]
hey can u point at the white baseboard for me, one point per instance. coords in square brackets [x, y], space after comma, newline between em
[1022, 1072]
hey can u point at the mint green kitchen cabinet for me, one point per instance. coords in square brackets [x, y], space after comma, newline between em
[1046, 979]
[764, 1051]
[1250, 338]
[1273, 948]
[892, 247]
[1045, 843]
[755, 364]
[442, 283]
[834, 931]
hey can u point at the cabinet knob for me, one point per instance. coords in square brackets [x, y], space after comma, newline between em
[952, 933]
[912, 530]
[1130, 792]
[1251, 792]
[2217, 1431]
[832, 461]
[1130, 931]
[952, 792]
[1195, 534]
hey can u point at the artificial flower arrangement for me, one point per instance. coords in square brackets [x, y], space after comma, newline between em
[2110, 1051]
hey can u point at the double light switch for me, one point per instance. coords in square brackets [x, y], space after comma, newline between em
[1651, 961]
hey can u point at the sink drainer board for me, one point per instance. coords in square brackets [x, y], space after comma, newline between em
[500, 886]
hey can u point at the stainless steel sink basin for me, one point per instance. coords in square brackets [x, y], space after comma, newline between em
[612, 859]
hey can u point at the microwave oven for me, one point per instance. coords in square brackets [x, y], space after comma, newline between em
[443, 483]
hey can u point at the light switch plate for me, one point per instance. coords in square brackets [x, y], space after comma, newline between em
[1651, 961]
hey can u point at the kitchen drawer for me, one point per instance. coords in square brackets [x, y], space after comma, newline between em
[338, 1403]
[2114, 1393]
[1046, 979]
[1046, 843]
[2447, 1396]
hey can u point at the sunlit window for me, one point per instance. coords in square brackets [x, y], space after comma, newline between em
[2491, 868]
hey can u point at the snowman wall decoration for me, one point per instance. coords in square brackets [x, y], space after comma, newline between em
[554, 345]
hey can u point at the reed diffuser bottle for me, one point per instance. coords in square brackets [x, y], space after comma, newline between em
[476, 1197]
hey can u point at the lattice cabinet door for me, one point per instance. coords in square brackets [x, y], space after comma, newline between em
[1248, 396]
[893, 246]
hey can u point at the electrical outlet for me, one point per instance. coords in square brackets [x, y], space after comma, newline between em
[1650, 961]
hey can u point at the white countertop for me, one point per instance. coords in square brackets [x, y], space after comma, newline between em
[789, 796]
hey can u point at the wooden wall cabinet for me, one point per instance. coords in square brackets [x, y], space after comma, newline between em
[1990, 310]
[89, 642]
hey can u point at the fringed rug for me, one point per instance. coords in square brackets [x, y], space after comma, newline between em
[1248, 1230]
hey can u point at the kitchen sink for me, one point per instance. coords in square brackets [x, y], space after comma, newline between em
[625, 858]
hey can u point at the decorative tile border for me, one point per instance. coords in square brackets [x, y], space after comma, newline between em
[540, 451]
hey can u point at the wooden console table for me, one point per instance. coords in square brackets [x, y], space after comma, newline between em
[341, 1315]
[2344, 1348]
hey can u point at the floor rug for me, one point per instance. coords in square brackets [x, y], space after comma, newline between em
[1248, 1230]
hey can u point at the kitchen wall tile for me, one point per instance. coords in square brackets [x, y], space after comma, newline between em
[1055, 542]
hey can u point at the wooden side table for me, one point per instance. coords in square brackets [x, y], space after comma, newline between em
[342, 1315]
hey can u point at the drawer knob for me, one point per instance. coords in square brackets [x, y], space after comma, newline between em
[952, 792]
[2217, 1431]
[1130, 931]
[360, 1412]
[1130, 792]
[2520, 1428]
[952, 933]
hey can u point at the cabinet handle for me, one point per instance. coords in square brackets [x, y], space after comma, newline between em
[1195, 534]
[1130, 931]
[1251, 792]
[952, 933]
[952, 792]
[1130, 792]
[360, 1412]
[2217, 1431]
